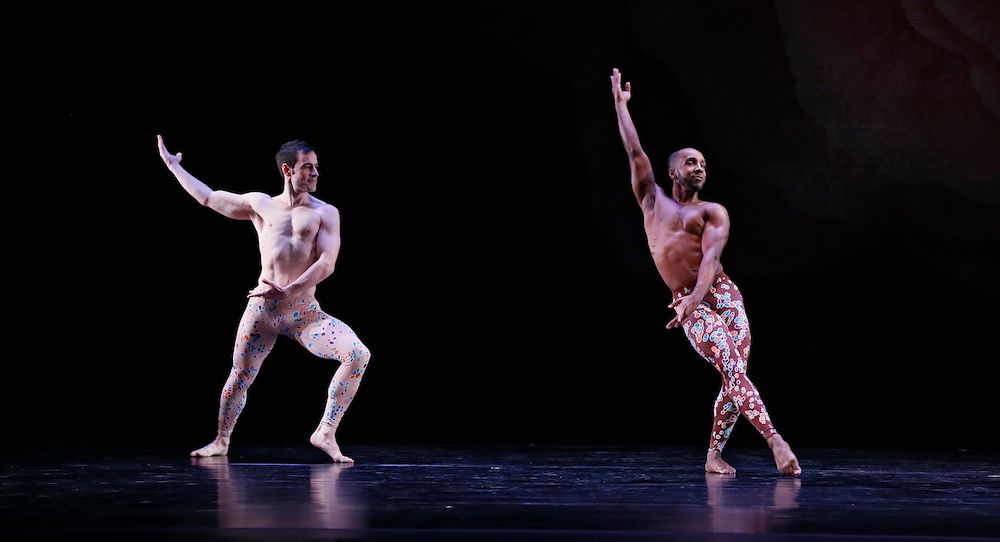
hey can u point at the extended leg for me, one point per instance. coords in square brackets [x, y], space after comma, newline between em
[724, 341]
[254, 341]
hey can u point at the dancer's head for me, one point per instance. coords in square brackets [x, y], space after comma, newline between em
[687, 168]
[298, 164]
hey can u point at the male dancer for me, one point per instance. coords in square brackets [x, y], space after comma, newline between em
[686, 236]
[299, 239]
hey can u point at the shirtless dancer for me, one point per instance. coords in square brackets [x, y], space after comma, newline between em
[686, 236]
[299, 238]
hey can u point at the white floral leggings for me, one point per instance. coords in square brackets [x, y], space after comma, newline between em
[302, 320]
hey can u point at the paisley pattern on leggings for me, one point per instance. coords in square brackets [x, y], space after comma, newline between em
[719, 331]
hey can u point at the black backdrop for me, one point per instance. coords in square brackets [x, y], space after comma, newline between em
[493, 256]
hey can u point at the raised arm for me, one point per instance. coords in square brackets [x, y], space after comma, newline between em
[642, 171]
[235, 206]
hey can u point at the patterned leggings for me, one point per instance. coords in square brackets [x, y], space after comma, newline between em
[304, 321]
[719, 330]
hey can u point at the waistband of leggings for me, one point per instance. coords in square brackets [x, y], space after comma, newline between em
[683, 291]
[287, 304]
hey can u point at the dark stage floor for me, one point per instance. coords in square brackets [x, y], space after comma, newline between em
[493, 493]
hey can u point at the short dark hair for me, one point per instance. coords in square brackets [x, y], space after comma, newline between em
[289, 152]
[670, 161]
[675, 154]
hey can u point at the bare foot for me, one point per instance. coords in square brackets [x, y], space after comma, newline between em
[783, 456]
[714, 463]
[325, 439]
[219, 446]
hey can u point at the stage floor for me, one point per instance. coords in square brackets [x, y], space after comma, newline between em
[497, 493]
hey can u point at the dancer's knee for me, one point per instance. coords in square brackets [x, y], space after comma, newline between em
[358, 360]
[361, 355]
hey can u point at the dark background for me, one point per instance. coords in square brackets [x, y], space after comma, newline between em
[493, 254]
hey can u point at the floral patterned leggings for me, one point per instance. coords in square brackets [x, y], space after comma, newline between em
[302, 320]
[719, 330]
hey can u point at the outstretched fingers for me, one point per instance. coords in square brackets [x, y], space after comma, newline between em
[161, 147]
[258, 291]
[164, 153]
[616, 81]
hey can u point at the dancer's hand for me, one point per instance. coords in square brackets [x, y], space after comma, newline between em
[684, 307]
[622, 95]
[168, 159]
[269, 290]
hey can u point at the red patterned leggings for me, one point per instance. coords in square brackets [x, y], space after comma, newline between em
[719, 330]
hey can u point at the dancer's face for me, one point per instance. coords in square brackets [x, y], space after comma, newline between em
[305, 172]
[689, 169]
